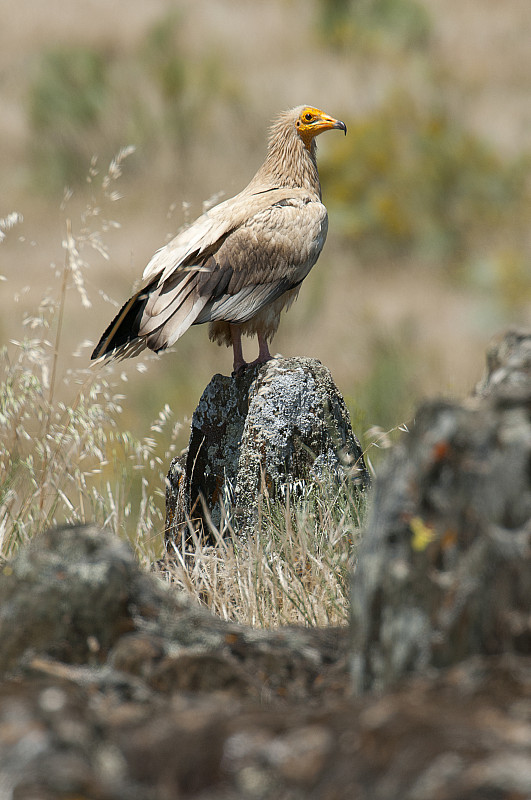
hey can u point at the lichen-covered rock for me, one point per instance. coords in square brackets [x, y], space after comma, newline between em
[444, 568]
[508, 366]
[269, 428]
[77, 595]
[71, 732]
[67, 595]
[177, 703]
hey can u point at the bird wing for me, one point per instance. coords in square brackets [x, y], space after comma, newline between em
[205, 235]
[235, 259]
[265, 257]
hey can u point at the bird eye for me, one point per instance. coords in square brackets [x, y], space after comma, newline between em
[308, 117]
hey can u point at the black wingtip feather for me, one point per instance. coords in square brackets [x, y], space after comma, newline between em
[123, 329]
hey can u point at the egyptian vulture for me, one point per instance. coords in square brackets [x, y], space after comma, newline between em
[242, 261]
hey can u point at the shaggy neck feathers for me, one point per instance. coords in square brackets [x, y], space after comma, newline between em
[289, 163]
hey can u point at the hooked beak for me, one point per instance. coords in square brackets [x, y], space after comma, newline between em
[327, 123]
[340, 126]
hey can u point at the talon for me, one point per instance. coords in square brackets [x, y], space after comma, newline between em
[238, 371]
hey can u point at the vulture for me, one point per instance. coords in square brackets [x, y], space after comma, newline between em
[242, 261]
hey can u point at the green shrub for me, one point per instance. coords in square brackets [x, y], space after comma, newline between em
[191, 85]
[163, 55]
[390, 386]
[345, 23]
[83, 102]
[412, 181]
[68, 100]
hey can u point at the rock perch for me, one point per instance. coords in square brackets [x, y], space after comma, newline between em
[278, 425]
[444, 567]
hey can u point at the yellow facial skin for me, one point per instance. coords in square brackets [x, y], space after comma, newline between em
[313, 121]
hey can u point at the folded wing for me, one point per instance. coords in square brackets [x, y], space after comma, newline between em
[231, 263]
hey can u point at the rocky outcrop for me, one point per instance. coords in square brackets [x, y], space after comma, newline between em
[115, 687]
[444, 567]
[508, 367]
[140, 695]
[77, 596]
[268, 430]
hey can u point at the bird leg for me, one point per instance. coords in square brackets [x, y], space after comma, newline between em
[263, 350]
[239, 362]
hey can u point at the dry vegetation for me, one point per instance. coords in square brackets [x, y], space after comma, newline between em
[294, 570]
[67, 457]
[428, 252]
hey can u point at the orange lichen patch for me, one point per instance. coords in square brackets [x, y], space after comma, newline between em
[216, 491]
[449, 539]
[440, 451]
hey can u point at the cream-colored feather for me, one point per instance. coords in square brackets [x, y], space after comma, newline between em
[242, 261]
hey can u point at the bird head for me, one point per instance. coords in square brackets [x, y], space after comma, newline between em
[310, 122]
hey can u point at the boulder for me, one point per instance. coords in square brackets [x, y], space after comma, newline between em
[444, 567]
[508, 367]
[271, 429]
[175, 703]
[67, 595]
[114, 686]
[77, 595]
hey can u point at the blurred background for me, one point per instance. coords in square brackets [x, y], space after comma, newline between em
[428, 252]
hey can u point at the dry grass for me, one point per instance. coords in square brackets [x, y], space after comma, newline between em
[295, 569]
[66, 457]
[391, 333]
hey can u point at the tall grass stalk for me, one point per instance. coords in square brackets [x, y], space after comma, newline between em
[66, 458]
[294, 569]
[63, 454]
